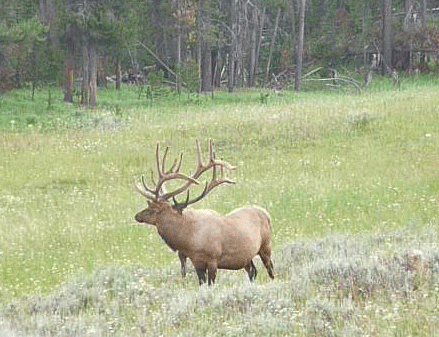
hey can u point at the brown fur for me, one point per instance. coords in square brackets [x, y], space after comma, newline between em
[212, 241]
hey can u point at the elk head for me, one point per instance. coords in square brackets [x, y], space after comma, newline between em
[158, 199]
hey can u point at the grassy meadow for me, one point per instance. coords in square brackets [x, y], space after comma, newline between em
[351, 181]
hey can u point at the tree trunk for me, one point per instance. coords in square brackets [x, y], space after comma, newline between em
[206, 68]
[253, 47]
[422, 60]
[47, 14]
[293, 23]
[93, 76]
[89, 73]
[215, 65]
[69, 82]
[178, 33]
[241, 44]
[233, 46]
[407, 26]
[102, 70]
[177, 79]
[387, 37]
[273, 40]
[408, 10]
[85, 94]
[300, 37]
[258, 48]
[205, 53]
[118, 73]
[423, 12]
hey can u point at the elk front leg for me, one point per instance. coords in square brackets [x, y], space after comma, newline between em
[201, 272]
[182, 258]
[211, 269]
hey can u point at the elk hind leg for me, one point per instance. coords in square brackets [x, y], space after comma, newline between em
[265, 255]
[251, 271]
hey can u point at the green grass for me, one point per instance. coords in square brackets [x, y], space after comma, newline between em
[323, 164]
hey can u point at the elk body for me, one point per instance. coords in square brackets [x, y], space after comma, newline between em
[210, 240]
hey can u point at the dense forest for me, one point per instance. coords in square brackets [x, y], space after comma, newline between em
[205, 44]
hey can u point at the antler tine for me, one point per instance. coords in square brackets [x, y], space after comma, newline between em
[179, 164]
[214, 182]
[164, 160]
[152, 177]
[172, 174]
[199, 155]
[181, 205]
[143, 189]
[145, 186]
[211, 153]
[175, 169]
[157, 158]
[201, 168]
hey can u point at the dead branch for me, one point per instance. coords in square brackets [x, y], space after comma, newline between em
[347, 80]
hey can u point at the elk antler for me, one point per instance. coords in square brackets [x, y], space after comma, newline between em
[173, 173]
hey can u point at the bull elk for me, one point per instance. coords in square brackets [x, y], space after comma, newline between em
[210, 240]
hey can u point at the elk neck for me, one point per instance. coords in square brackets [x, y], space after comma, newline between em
[174, 227]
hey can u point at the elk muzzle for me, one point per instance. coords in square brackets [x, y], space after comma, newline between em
[139, 217]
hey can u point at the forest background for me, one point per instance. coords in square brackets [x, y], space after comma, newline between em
[202, 45]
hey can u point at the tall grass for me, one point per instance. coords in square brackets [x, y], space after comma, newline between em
[339, 285]
[323, 165]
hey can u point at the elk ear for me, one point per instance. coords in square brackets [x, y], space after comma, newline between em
[178, 208]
